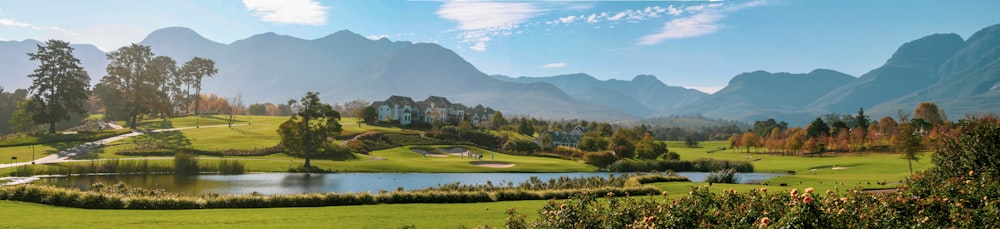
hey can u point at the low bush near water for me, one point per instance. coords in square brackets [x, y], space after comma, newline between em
[122, 197]
[564, 183]
[727, 176]
[104, 166]
[698, 165]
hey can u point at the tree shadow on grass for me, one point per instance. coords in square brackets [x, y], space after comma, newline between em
[153, 124]
[162, 140]
[224, 118]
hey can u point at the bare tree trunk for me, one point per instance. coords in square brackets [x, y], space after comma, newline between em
[910, 162]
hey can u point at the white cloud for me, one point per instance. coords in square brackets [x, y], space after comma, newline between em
[630, 15]
[692, 26]
[301, 12]
[568, 19]
[674, 11]
[704, 21]
[12, 23]
[17, 24]
[555, 65]
[479, 21]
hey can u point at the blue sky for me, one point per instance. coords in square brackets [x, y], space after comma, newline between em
[695, 44]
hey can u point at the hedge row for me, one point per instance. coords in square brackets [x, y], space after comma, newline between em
[117, 199]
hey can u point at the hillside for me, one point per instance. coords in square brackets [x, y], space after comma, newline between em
[641, 96]
[754, 95]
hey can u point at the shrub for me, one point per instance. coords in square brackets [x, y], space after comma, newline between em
[698, 165]
[229, 167]
[727, 176]
[186, 163]
[600, 159]
[568, 152]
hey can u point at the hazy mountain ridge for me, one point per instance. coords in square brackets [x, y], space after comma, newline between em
[641, 96]
[15, 65]
[961, 76]
[344, 66]
[755, 95]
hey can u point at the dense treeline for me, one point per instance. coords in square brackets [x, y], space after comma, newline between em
[847, 133]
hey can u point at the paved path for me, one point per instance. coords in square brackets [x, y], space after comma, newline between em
[68, 154]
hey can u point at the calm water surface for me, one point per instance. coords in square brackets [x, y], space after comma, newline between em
[289, 183]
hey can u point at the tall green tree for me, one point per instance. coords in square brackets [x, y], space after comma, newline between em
[163, 75]
[526, 127]
[817, 128]
[312, 124]
[370, 115]
[59, 86]
[908, 143]
[498, 120]
[129, 80]
[193, 72]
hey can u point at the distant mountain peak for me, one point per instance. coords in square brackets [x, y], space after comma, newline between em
[646, 79]
[174, 34]
[929, 50]
[343, 35]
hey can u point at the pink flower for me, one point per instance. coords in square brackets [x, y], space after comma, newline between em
[765, 221]
[809, 190]
[795, 192]
[764, 189]
[807, 199]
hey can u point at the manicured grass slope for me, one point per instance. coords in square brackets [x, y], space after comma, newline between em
[855, 170]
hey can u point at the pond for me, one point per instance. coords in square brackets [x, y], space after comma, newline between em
[290, 183]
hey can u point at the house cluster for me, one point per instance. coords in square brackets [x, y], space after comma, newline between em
[407, 111]
[559, 138]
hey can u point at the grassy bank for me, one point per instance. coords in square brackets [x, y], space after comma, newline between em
[28, 215]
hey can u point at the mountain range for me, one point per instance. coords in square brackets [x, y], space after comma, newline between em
[961, 76]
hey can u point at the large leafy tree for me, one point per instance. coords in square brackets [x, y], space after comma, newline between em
[164, 77]
[59, 86]
[312, 123]
[193, 72]
[129, 83]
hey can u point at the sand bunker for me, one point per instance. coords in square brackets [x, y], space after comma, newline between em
[492, 164]
[839, 168]
[424, 152]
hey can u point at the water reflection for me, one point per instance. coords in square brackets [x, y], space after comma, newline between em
[288, 183]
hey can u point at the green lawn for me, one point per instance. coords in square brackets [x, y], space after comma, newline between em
[23, 153]
[854, 170]
[28, 215]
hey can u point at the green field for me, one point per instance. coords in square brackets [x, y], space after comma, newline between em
[28, 215]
